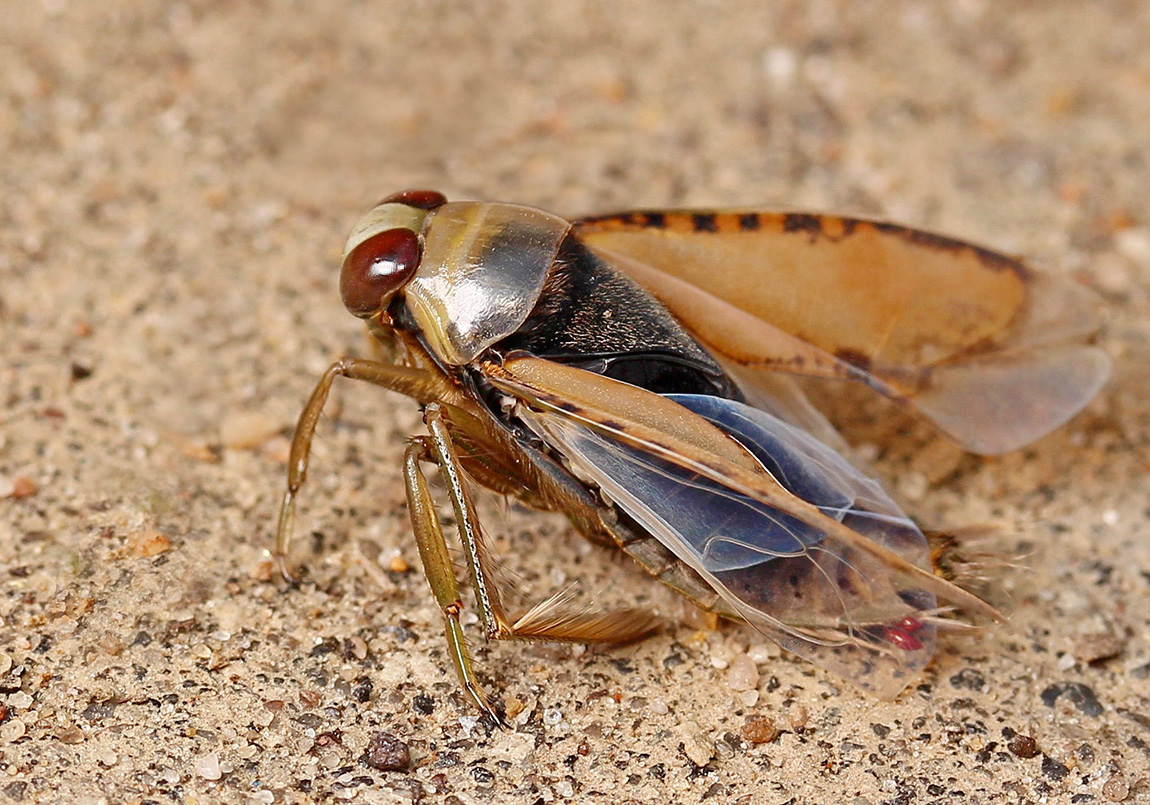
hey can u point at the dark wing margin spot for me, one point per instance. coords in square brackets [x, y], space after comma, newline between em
[655, 220]
[918, 237]
[704, 222]
[749, 222]
[803, 222]
[1000, 262]
[854, 358]
[929, 240]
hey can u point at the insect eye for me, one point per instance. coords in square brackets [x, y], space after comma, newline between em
[420, 199]
[378, 267]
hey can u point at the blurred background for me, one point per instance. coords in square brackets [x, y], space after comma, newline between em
[176, 181]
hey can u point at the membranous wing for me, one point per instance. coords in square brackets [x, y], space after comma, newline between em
[991, 351]
[795, 539]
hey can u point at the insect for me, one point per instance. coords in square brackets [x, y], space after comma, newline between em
[634, 372]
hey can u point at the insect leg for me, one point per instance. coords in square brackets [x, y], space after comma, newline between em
[417, 383]
[560, 618]
[554, 619]
[437, 566]
[488, 603]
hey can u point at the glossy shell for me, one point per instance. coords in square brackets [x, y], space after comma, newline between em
[482, 272]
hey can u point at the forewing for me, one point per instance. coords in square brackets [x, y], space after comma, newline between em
[988, 349]
[798, 541]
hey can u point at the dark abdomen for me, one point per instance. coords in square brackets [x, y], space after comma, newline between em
[592, 316]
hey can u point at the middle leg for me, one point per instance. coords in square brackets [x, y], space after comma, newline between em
[556, 618]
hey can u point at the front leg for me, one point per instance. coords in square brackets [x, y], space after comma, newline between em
[420, 384]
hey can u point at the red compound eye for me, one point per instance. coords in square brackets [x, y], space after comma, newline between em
[901, 639]
[909, 624]
[375, 269]
[420, 199]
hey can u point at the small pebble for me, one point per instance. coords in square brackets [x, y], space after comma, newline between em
[208, 766]
[742, 673]
[397, 564]
[1116, 789]
[70, 735]
[1134, 244]
[263, 571]
[111, 643]
[263, 718]
[759, 730]
[762, 652]
[1098, 646]
[721, 657]
[106, 757]
[20, 700]
[148, 543]
[358, 647]
[780, 63]
[23, 487]
[1053, 770]
[12, 730]
[798, 717]
[697, 750]
[5, 663]
[386, 752]
[201, 652]
[514, 707]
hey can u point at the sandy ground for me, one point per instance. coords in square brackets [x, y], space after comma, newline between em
[176, 181]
